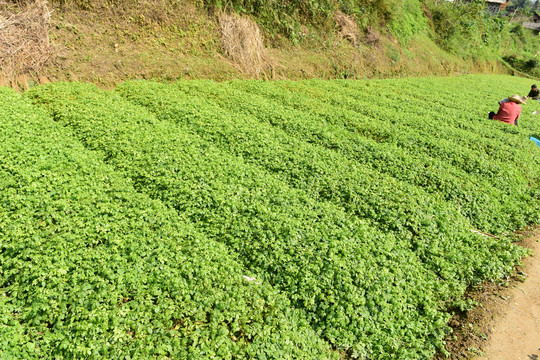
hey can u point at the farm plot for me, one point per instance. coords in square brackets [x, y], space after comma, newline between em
[365, 291]
[90, 268]
[374, 250]
[494, 166]
[435, 230]
[486, 207]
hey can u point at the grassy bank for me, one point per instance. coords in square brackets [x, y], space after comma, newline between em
[106, 43]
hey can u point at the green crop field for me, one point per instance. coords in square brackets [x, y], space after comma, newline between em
[256, 220]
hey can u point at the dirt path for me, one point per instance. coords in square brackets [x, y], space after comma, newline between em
[515, 333]
[505, 323]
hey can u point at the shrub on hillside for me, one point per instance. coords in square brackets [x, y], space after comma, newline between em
[527, 65]
[402, 18]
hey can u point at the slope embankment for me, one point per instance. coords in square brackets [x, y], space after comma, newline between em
[165, 41]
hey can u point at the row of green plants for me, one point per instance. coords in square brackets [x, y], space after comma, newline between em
[366, 292]
[444, 131]
[486, 207]
[407, 211]
[90, 268]
[429, 140]
[274, 171]
[447, 117]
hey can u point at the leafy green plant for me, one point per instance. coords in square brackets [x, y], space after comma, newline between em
[365, 203]
[325, 261]
[90, 268]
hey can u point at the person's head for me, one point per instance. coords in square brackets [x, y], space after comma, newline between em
[518, 99]
[533, 87]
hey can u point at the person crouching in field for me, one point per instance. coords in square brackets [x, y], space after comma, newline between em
[509, 109]
[534, 93]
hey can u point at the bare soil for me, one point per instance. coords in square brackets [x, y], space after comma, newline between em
[506, 323]
[516, 334]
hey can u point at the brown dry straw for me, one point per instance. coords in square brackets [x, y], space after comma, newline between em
[242, 43]
[371, 37]
[24, 40]
[348, 29]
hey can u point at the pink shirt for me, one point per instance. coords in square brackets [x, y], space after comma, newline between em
[508, 112]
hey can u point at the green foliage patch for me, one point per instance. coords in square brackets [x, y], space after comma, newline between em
[361, 202]
[90, 268]
[467, 30]
[334, 267]
[307, 117]
[402, 18]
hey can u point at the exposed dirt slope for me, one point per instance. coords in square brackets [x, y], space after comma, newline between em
[516, 333]
[165, 41]
[505, 323]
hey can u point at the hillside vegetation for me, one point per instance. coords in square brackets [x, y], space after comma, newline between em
[150, 211]
[250, 219]
[108, 41]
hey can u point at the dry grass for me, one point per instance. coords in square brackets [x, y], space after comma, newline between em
[372, 37]
[24, 41]
[347, 27]
[242, 43]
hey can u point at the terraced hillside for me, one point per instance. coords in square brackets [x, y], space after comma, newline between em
[248, 219]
